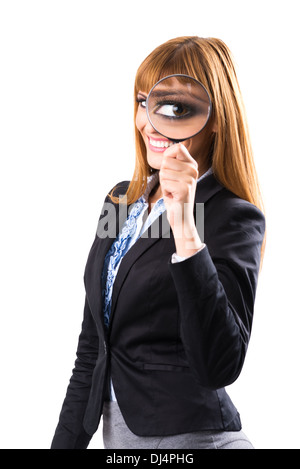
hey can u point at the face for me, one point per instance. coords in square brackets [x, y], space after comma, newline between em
[156, 144]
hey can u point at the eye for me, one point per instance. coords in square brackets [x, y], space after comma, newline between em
[142, 102]
[175, 110]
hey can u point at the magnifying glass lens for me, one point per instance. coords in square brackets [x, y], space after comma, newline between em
[178, 107]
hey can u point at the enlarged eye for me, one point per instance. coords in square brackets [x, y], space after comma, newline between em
[172, 110]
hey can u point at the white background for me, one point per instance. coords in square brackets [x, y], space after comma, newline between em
[66, 137]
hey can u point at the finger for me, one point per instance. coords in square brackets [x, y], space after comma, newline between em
[178, 151]
[178, 165]
[170, 189]
[187, 175]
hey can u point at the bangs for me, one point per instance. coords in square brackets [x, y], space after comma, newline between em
[159, 64]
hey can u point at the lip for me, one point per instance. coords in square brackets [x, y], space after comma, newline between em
[157, 149]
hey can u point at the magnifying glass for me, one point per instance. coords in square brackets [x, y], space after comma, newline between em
[178, 107]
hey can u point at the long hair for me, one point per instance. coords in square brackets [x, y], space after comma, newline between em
[229, 148]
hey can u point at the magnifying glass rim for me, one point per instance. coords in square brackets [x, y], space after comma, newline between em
[185, 76]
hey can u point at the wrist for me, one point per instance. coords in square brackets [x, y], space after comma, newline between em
[187, 240]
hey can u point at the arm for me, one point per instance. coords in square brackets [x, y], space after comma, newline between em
[70, 433]
[216, 291]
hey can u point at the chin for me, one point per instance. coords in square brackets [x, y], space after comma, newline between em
[155, 168]
[155, 161]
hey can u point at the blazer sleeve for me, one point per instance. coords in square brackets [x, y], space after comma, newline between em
[70, 433]
[216, 292]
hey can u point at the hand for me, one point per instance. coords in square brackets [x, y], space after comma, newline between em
[178, 179]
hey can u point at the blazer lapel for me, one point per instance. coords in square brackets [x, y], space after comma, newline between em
[158, 229]
[207, 188]
[110, 222]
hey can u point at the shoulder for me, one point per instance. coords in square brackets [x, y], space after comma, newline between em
[120, 187]
[117, 190]
[225, 200]
[234, 230]
[227, 209]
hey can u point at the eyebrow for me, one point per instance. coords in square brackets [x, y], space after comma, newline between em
[171, 94]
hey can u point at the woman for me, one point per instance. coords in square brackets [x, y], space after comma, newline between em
[167, 317]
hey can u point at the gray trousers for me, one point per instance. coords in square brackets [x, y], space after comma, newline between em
[116, 435]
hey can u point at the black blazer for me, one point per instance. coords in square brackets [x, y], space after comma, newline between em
[178, 333]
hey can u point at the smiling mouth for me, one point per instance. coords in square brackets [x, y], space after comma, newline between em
[159, 145]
